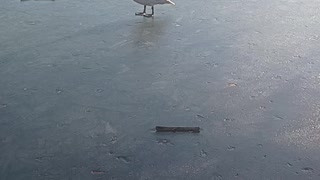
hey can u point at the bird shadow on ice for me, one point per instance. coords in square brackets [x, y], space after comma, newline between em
[148, 32]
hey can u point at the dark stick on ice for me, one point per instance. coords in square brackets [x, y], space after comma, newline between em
[177, 129]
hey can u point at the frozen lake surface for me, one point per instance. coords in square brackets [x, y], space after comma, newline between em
[83, 84]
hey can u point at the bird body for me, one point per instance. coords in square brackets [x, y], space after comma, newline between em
[151, 3]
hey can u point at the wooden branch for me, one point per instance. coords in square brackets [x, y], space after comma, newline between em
[177, 129]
